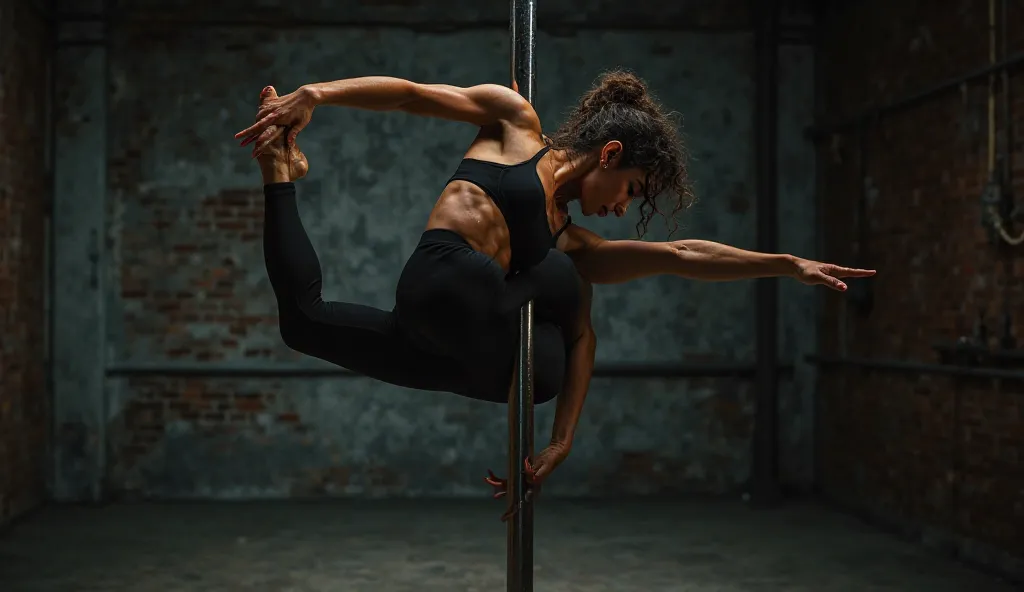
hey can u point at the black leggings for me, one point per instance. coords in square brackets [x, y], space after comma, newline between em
[454, 327]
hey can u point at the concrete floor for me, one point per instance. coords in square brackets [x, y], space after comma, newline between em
[392, 546]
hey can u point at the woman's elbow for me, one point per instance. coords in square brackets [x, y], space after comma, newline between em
[587, 338]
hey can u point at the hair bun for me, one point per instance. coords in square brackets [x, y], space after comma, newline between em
[619, 88]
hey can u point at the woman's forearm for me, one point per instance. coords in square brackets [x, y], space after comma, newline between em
[569, 405]
[711, 261]
[379, 93]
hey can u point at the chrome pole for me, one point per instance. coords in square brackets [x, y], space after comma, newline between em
[523, 30]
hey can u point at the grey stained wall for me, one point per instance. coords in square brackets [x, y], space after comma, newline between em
[181, 280]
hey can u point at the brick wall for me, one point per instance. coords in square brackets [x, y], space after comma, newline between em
[209, 294]
[932, 454]
[23, 195]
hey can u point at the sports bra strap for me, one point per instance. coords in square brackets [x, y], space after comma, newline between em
[568, 221]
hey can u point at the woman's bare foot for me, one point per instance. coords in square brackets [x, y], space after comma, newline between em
[280, 163]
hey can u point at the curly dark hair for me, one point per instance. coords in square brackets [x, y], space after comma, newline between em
[619, 107]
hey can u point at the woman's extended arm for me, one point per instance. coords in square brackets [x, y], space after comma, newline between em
[615, 261]
[569, 405]
[579, 368]
[481, 105]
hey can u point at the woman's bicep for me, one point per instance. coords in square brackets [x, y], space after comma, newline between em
[481, 105]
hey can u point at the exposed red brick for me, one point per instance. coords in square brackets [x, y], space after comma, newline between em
[211, 406]
[24, 194]
[198, 283]
[939, 452]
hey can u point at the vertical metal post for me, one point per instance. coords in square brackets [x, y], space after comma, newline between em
[519, 578]
[765, 485]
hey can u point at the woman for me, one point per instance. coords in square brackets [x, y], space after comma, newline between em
[498, 236]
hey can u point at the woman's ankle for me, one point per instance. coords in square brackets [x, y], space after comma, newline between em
[275, 172]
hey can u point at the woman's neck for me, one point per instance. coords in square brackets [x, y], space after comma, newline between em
[566, 171]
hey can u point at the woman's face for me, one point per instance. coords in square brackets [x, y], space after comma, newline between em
[608, 188]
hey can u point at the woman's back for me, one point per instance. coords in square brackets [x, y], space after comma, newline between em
[498, 200]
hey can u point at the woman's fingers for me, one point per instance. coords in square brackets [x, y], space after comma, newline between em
[258, 127]
[266, 138]
[535, 473]
[294, 133]
[263, 138]
[832, 282]
[502, 485]
[838, 271]
[851, 272]
[266, 109]
[828, 274]
[493, 480]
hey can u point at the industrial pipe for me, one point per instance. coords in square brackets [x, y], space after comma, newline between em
[872, 114]
[737, 370]
[791, 34]
[906, 367]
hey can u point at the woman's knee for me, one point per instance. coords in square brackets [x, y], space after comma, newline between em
[299, 320]
[292, 338]
[296, 331]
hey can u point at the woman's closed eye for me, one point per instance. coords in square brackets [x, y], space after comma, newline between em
[635, 189]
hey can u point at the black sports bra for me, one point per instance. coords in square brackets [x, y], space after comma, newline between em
[517, 191]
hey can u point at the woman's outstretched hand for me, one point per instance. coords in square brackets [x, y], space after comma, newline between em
[292, 111]
[535, 472]
[825, 274]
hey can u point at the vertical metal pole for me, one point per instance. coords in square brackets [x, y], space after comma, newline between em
[765, 485]
[519, 578]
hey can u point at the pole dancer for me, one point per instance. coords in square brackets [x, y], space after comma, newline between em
[498, 237]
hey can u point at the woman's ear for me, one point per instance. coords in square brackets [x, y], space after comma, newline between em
[611, 154]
